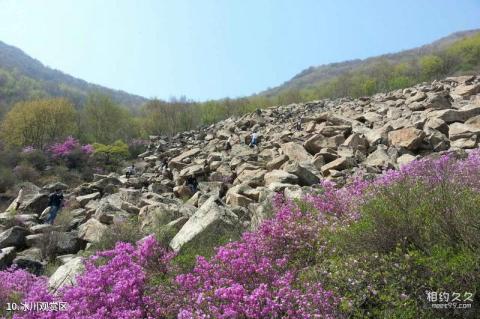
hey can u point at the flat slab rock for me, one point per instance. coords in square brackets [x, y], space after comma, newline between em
[210, 219]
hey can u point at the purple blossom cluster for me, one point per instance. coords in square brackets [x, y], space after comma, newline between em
[113, 285]
[257, 277]
[445, 169]
[70, 144]
[16, 283]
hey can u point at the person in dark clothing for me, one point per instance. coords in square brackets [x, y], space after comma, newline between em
[228, 144]
[164, 164]
[130, 171]
[55, 201]
[192, 183]
[165, 170]
[299, 124]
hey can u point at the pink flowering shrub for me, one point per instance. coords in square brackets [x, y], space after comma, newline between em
[256, 277]
[67, 147]
[112, 285]
[15, 284]
[72, 154]
[446, 169]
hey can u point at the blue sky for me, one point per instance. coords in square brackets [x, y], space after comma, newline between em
[208, 49]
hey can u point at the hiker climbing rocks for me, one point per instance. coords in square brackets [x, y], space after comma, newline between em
[130, 171]
[253, 140]
[164, 164]
[55, 201]
[228, 144]
[192, 183]
[165, 170]
[299, 124]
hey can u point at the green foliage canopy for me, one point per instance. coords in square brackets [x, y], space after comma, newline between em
[39, 122]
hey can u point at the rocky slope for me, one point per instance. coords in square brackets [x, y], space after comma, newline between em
[300, 144]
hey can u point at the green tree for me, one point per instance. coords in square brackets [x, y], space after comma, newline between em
[467, 52]
[39, 122]
[111, 155]
[104, 121]
[431, 67]
[161, 117]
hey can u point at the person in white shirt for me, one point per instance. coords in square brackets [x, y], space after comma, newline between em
[253, 140]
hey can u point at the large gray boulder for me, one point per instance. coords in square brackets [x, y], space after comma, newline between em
[6, 257]
[296, 152]
[357, 142]
[130, 195]
[153, 216]
[241, 195]
[319, 141]
[54, 186]
[84, 199]
[276, 162]
[438, 101]
[409, 138]
[457, 131]
[15, 236]
[34, 200]
[92, 231]
[66, 274]
[280, 176]
[379, 158]
[306, 176]
[339, 164]
[30, 259]
[465, 90]
[212, 219]
[253, 177]
[178, 162]
[107, 213]
[68, 243]
[460, 115]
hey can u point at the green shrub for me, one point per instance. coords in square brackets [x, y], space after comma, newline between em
[410, 239]
[7, 179]
[418, 216]
[36, 158]
[67, 176]
[126, 231]
[165, 234]
[111, 156]
[185, 260]
[26, 173]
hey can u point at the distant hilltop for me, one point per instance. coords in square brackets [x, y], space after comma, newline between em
[24, 78]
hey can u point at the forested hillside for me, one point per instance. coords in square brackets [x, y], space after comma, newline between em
[24, 78]
[405, 63]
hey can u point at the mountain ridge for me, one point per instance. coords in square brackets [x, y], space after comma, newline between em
[314, 74]
[18, 66]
